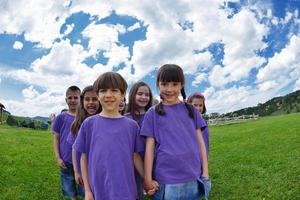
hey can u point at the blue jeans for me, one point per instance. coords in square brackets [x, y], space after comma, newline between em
[192, 190]
[68, 185]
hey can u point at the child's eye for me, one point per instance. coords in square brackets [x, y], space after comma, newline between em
[115, 90]
[102, 90]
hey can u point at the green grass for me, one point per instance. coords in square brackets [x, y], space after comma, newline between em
[250, 160]
[256, 159]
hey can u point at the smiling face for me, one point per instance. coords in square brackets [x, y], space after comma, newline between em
[169, 91]
[110, 100]
[142, 97]
[90, 102]
[72, 99]
[198, 103]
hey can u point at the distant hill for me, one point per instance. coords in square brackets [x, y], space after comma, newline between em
[289, 103]
[41, 119]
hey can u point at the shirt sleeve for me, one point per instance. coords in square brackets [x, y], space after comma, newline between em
[71, 138]
[80, 141]
[57, 124]
[199, 121]
[139, 146]
[148, 124]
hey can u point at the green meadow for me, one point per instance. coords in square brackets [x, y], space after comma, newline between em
[257, 159]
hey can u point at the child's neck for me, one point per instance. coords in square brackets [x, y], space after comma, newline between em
[72, 112]
[110, 114]
[140, 111]
[171, 103]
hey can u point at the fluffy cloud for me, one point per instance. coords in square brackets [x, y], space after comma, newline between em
[32, 18]
[177, 32]
[18, 45]
[283, 68]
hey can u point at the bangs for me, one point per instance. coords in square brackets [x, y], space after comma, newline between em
[110, 80]
[170, 73]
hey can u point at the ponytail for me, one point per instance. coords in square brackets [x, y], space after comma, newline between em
[159, 108]
[188, 106]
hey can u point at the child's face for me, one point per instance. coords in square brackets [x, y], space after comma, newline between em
[121, 105]
[90, 102]
[169, 91]
[198, 103]
[73, 99]
[142, 96]
[110, 99]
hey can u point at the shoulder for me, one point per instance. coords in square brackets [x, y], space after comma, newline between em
[128, 115]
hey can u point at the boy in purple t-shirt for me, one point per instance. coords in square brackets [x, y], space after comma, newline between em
[62, 149]
[108, 143]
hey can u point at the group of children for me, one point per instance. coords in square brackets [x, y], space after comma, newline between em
[106, 153]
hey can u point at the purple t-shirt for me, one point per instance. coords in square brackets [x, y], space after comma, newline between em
[205, 134]
[109, 144]
[142, 138]
[71, 139]
[177, 150]
[62, 126]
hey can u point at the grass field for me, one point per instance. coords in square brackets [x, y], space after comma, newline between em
[250, 160]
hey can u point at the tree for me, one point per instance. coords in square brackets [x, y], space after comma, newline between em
[44, 126]
[31, 125]
[11, 120]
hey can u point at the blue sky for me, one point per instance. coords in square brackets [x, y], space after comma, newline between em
[237, 53]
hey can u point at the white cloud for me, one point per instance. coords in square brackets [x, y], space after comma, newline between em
[175, 30]
[297, 85]
[42, 15]
[134, 26]
[18, 45]
[69, 29]
[283, 67]
[199, 79]
[30, 92]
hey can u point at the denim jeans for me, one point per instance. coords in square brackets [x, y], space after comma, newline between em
[68, 184]
[180, 191]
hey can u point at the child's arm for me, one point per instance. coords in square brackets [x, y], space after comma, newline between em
[138, 164]
[203, 154]
[85, 177]
[60, 162]
[149, 183]
[78, 178]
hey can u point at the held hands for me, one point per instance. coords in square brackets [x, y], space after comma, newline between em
[61, 163]
[78, 178]
[151, 186]
[88, 195]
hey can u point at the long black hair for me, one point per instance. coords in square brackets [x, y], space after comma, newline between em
[172, 73]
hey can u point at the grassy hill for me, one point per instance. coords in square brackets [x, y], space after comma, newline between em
[250, 160]
[289, 103]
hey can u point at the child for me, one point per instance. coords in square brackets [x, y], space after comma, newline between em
[122, 106]
[62, 149]
[198, 101]
[140, 100]
[89, 105]
[108, 142]
[174, 142]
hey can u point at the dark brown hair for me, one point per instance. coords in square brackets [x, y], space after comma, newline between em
[110, 80]
[132, 107]
[172, 73]
[73, 88]
[197, 95]
[81, 113]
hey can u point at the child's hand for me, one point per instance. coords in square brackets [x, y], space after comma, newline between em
[88, 195]
[151, 186]
[61, 163]
[78, 178]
